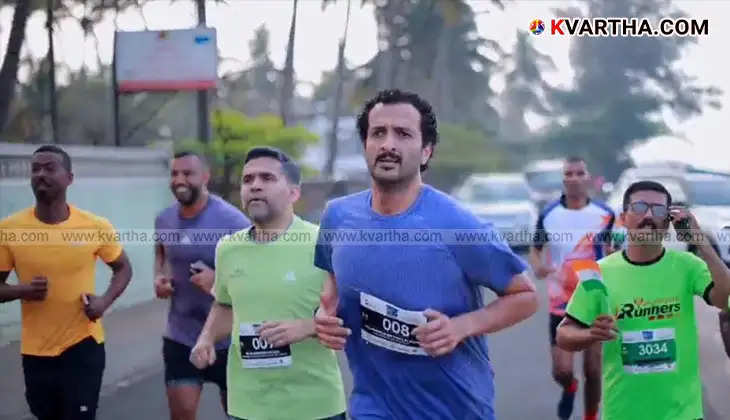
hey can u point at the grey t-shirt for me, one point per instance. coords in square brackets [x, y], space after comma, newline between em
[187, 241]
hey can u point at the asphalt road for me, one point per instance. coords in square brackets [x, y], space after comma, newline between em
[525, 389]
[520, 356]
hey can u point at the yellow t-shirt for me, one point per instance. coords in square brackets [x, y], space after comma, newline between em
[65, 253]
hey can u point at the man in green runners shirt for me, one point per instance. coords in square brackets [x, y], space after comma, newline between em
[650, 356]
[266, 293]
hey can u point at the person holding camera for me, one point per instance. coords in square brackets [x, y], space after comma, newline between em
[640, 304]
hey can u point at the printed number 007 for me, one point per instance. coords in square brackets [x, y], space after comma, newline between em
[260, 344]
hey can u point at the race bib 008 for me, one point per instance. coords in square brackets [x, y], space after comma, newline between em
[649, 351]
[257, 353]
[389, 326]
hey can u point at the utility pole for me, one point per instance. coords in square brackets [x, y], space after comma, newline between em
[203, 113]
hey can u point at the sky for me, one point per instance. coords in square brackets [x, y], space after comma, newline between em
[700, 140]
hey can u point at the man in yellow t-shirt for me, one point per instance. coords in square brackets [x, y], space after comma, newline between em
[53, 248]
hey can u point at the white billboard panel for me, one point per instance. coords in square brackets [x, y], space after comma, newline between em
[183, 59]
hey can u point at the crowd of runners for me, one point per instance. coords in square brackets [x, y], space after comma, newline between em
[261, 313]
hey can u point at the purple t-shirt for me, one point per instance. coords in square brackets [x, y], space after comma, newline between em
[187, 241]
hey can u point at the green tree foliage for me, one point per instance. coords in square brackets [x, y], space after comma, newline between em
[622, 85]
[432, 47]
[234, 134]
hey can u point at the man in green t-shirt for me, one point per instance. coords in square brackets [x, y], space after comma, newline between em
[640, 304]
[267, 290]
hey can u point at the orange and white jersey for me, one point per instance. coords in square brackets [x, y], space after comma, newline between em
[569, 235]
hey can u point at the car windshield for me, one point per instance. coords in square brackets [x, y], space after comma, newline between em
[499, 191]
[710, 192]
[545, 180]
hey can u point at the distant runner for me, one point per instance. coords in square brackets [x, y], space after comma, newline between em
[411, 317]
[641, 306]
[580, 228]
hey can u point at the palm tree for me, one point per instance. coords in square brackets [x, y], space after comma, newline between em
[332, 151]
[9, 70]
[287, 86]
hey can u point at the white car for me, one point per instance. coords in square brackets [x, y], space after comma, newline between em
[707, 195]
[504, 200]
[545, 178]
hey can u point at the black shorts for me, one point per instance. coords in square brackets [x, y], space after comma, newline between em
[555, 320]
[66, 386]
[180, 371]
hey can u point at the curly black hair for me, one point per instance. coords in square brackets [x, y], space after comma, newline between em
[429, 127]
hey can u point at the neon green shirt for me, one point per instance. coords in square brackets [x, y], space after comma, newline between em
[275, 281]
[651, 371]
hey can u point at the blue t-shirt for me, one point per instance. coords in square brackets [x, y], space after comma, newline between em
[444, 276]
[187, 241]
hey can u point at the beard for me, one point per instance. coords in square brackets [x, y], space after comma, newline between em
[189, 197]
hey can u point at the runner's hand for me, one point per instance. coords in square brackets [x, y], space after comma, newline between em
[204, 279]
[544, 271]
[203, 354]
[440, 335]
[36, 290]
[328, 326]
[282, 333]
[94, 306]
[603, 328]
[163, 287]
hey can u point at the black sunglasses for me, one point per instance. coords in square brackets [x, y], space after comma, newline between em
[657, 210]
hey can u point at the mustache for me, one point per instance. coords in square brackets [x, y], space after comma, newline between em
[386, 155]
[647, 222]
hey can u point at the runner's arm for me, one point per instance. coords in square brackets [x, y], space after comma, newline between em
[121, 276]
[724, 317]
[517, 303]
[720, 276]
[573, 336]
[161, 264]
[219, 324]
[10, 292]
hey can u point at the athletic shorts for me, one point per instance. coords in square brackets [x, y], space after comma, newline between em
[66, 386]
[180, 371]
[555, 320]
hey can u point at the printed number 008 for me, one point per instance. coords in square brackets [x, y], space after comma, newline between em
[649, 349]
[396, 327]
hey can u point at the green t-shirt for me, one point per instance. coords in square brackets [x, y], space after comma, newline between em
[275, 281]
[651, 370]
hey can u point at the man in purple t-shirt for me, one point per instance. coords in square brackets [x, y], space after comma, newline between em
[186, 236]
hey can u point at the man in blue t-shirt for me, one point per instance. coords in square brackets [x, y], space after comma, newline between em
[403, 298]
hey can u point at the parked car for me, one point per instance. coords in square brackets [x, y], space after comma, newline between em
[504, 200]
[705, 193]
[545, 179]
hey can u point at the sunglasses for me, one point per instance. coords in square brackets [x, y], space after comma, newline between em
[657, 210]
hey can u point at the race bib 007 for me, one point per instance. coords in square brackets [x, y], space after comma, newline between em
[389, 326]
[257, 353]
[649, 351]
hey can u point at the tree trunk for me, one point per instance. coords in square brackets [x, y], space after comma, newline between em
[9, 71]
[52, 73]
[287, 88]
[329, 168]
